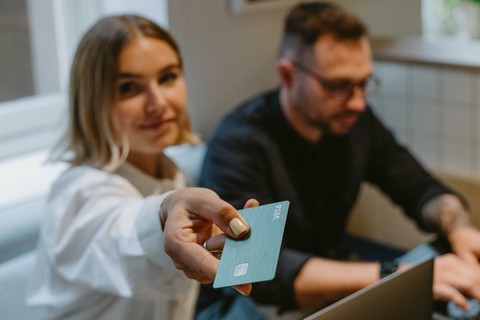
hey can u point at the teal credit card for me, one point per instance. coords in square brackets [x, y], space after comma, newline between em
[255, 257]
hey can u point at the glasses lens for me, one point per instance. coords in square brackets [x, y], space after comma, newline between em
[338, 90]
[343, 91]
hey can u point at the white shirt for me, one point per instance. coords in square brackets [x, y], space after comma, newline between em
[100, 253]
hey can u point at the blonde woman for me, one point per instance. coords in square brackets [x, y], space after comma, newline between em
[114, 225]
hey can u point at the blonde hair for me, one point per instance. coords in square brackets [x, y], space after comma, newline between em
[90, 137]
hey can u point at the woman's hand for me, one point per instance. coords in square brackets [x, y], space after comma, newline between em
[193, 216]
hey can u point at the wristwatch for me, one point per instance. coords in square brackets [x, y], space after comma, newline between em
[388, 267]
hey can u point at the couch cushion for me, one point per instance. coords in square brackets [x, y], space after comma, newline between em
[14, 276]
[20, 227]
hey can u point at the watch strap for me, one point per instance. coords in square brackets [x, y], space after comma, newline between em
[388, 267]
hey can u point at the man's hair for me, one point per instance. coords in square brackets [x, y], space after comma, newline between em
[307, 22]
[93, 137]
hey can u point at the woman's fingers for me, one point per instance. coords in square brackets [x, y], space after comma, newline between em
[215, 243]
[251, 203]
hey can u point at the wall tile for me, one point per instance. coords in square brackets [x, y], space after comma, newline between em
[475, 159]
[456, 157]
[476, 88]
[425, 148]
[456, 86]
[435, 111]
[456, 122]
[395, 113]
[425, 82]
[425, 115]
[394, 79]
[475, 124]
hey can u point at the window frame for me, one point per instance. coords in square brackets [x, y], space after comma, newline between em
[32, 123]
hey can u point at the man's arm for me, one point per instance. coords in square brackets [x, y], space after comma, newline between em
[322, 281]
[447, 213]
[435, 207]
[456, 275]
[452, 220]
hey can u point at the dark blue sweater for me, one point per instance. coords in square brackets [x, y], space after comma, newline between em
[254, 153]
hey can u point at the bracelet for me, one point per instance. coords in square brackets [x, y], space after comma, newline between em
[387, 268]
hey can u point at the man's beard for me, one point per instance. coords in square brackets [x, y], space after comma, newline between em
[326, 126]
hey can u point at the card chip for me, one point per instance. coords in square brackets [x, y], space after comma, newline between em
[240, 270]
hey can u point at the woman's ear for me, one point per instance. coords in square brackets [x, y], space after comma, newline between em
[285, 71]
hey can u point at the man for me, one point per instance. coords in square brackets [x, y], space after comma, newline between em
[313, 141]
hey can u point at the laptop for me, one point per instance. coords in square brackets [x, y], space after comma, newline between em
[406, 294]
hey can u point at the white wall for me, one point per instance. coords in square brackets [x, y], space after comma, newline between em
[231, 57]
[228, 57]
[388, 17]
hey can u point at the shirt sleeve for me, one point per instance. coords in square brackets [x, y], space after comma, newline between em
[105, 235]
[279, 291]
[150, 233]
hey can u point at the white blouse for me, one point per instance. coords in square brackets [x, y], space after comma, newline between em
[100, 254]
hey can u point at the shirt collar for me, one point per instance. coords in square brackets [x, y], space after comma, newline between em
[148, 185]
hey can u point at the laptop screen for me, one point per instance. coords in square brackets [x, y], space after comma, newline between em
[402, 295]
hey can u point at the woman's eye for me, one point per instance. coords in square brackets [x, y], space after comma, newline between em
[168, 78]
[127, 88]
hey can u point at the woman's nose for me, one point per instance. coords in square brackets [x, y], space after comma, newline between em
[156, 101]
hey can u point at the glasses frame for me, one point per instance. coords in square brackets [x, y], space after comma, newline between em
[369, 86]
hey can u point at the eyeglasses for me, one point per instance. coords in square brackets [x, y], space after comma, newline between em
[343, 89]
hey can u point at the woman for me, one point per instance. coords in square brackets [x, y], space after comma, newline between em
[101, 250]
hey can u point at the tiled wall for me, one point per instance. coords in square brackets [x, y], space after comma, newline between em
[434, 111]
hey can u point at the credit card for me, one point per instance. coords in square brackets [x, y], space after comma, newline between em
[254, 258]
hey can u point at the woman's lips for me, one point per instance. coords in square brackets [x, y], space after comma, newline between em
[155, 125]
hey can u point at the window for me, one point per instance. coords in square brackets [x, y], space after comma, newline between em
[35, 63]
[451, 18]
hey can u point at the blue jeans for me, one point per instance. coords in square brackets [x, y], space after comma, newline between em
[425, 250]
[225, 304]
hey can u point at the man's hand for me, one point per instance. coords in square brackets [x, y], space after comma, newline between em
[456, 274]
[465, 242]
[454, 278]
[192, 216]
